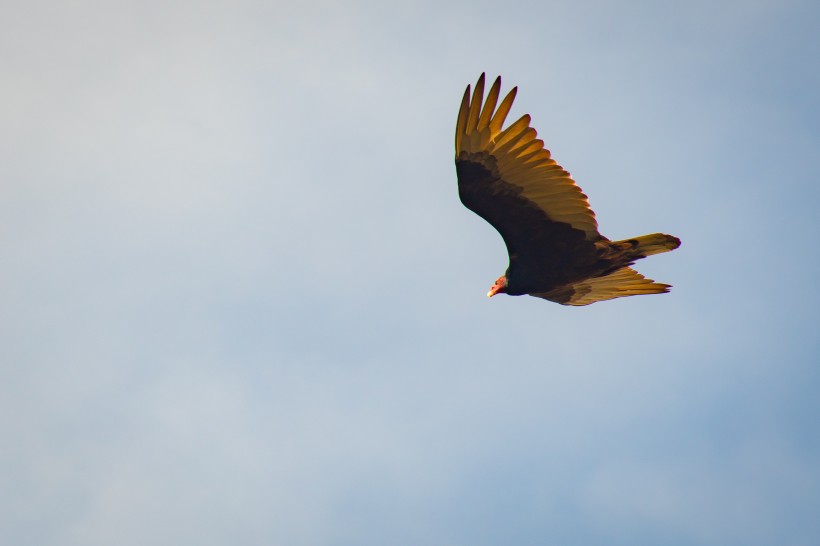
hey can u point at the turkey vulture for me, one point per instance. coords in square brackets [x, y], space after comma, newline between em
[507, 177]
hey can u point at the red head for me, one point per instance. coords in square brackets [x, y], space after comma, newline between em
[500, 287]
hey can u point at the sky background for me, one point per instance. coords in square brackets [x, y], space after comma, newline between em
[242, 303]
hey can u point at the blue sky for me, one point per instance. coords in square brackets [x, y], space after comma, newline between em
[242, 303]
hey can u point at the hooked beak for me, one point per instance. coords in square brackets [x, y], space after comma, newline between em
[500, 285]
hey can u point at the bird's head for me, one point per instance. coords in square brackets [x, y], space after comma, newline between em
[500, 287]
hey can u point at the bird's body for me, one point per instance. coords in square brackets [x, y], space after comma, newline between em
[508, 178]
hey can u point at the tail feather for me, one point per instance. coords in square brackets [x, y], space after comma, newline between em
[647, 245]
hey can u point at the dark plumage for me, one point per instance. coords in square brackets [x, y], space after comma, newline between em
[507, 177]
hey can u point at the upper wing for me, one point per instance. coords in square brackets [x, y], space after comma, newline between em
[623, 282]
[508, 177]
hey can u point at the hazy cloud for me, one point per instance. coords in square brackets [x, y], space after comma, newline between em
[242, 303]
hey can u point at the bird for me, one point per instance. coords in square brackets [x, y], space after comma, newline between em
[507, 176]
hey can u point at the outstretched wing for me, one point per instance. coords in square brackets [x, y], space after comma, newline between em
[623, 282]
[507, 177]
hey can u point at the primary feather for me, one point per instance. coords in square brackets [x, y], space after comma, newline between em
[506, 176]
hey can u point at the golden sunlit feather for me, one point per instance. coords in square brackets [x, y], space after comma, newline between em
[475, 105]
[516, 151]
[623, 282]
[503, 109]
[489, 105]
[463, 112]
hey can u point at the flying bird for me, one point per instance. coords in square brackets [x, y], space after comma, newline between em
[506, 176]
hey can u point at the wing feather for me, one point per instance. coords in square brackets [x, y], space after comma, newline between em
[475, 105]
[621, 283]
[517, 157]
[489, 105]
[463, 113]
[512, 136]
